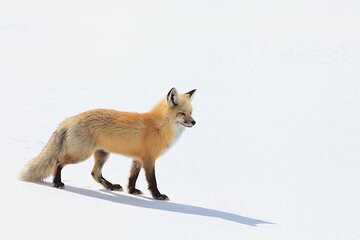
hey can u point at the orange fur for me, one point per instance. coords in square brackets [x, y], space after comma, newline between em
[141, 136]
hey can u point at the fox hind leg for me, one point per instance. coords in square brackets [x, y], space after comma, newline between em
[63, 161]
[100, 157]
[134, 173]
[57, 176]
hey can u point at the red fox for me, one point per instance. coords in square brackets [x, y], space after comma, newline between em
[141, 136]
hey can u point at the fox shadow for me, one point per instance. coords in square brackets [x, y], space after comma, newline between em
[149, 203]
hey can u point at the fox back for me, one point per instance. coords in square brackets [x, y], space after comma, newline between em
[141, 136]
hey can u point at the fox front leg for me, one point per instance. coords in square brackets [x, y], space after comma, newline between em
[151, 179]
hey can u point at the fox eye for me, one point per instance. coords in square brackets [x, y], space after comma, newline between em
[181, 114]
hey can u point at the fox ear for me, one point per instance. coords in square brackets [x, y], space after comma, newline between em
[190, 94]
[173, 98]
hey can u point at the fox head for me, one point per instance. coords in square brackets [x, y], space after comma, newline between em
[180, 107]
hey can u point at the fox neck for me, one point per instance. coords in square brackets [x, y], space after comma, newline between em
[171, 129]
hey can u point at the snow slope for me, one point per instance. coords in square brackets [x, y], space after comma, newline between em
[275, 152]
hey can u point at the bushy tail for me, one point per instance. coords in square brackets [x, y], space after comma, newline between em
[42, 166]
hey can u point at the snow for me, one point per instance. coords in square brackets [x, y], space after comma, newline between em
[275, 151]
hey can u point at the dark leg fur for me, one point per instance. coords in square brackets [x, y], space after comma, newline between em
[150, 177]
[100, 159]
[134, 173]
[57, 177]
[109, 185]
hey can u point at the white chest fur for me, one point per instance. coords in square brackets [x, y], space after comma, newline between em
[177, 131]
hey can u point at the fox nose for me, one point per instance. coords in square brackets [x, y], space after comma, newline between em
[193, 122]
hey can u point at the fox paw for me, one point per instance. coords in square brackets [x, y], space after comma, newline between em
[60, 185]
[162, 197]
[115, 187]
[135, 191]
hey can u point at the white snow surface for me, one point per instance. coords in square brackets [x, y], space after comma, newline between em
[275, 153]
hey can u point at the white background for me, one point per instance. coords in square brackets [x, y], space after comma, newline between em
[276, 148]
